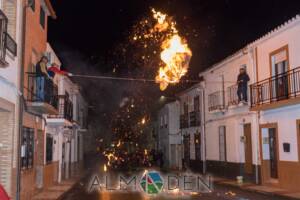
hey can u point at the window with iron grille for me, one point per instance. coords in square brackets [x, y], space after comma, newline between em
[49, 148]
[27, 153]
[3, 30]
[42, 17]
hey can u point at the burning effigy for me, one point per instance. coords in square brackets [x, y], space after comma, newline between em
[175, 52]
[158, 37]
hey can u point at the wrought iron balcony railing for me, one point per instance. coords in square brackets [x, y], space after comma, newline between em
[41, 90]
[232, 95]
[194, 118]
[65, 108]
[276, 88]
[216, 101]
[184, 121]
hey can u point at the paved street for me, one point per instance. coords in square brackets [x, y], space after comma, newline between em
[220, 192]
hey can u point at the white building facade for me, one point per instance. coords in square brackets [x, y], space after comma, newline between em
[65, 130]
[275, 97]
[230, 127]
[169, 137]
[190, 127]
[259, 140]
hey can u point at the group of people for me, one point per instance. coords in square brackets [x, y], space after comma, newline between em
[44, 75]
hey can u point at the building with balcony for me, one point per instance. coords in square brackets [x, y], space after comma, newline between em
[275, 97]
[190, 127]
[169, 137]
[230, 127]
[260, 139]
[65, 128]
[10, 44]
[36, 107]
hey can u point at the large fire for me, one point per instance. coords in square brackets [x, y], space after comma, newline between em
[175, 54]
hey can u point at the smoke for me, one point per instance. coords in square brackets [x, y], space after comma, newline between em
[104, 96]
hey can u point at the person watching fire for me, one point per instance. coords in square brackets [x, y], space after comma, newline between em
[41, 78]
[242, 81]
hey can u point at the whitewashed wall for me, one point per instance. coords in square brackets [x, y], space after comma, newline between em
[286, 118]
[288, 36]
[233, 118]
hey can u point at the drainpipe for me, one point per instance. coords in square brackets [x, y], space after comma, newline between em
[257, 116]
[204, 131]
[21, 99]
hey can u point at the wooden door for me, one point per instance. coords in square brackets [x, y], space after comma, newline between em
[273, 153]
[248, 149]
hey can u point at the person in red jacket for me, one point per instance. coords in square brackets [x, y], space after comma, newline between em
[3, 194]
[55, 69]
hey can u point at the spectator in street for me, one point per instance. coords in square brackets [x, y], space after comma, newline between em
[41, 77]
[242, 82]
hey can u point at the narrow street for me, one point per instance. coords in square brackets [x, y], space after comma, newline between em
[149, 99]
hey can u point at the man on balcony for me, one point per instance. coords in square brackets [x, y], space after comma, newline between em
[55, 70]
[41, 78]
[242, 82]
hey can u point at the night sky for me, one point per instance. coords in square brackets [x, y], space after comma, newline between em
[214, 28]
[87, 34]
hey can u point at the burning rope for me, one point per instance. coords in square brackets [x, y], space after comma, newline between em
[140, 79]
[126, 78]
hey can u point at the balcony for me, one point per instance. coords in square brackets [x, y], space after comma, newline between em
[184, 121]
[65, 108]
[194, 118]
[41, 95]
[276, 91]
[216, 102]
[233, 99]
[232, 96]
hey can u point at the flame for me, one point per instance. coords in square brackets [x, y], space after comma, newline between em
[119, 143]
[105, 168]
[143, 120]
[175, 53]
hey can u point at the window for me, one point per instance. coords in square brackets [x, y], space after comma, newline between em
[49, 148]
[42, 18]
[196, 103]
[27, 150]
[166, 121]
[31, 3]
[197, 146]
[3, 30]
[185, 108]
[222, 143]
[279, 68]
